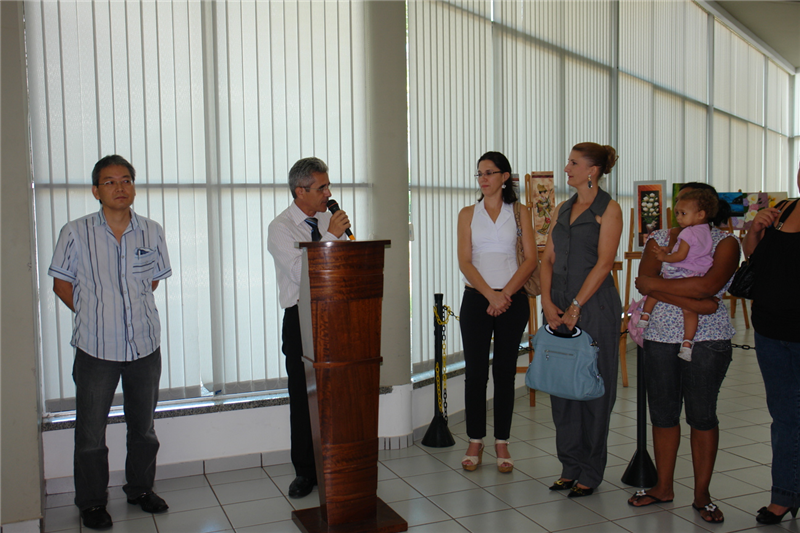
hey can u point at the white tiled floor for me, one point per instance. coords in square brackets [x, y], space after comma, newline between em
[429, 489]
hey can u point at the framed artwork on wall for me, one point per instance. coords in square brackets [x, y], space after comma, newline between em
[650, 202]
[776, 197]
[541, 197]
[736, 201]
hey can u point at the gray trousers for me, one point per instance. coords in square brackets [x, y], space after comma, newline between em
[582, 427]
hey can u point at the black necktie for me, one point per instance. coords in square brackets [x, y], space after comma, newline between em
[315, 235]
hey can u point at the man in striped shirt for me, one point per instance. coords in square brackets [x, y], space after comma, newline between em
[105, 268]
[306, 219]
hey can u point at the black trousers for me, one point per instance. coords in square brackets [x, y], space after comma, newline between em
[299, 418]
[477, 330]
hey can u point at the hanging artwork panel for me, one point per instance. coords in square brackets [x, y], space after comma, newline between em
[650, 203]
[541, 197]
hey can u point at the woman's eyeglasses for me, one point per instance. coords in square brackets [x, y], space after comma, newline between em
[488, 173]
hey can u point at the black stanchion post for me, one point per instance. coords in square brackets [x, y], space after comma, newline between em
[641, 471]
[438, 434]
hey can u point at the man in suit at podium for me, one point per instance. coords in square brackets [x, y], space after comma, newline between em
[306, 219]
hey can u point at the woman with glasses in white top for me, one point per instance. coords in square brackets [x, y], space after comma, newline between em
[494, 303]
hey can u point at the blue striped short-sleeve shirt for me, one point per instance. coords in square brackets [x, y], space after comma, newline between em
[115, 312]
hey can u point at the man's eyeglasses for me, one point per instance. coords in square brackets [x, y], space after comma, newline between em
[111, 183]
[324, 188]
[488, 173]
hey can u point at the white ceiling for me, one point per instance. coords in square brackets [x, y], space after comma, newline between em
[775, 22]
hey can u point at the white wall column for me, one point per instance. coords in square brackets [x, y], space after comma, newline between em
[20, 443]
[387, 167]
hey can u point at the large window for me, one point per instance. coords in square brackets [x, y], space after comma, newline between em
[490, 76]
[676, 92]
[451, 122]
[212, 103]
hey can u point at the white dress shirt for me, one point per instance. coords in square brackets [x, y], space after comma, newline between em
[283, 233]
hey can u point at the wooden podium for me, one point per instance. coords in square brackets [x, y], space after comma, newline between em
[341, 292]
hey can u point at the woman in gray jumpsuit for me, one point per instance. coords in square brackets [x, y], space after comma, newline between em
[577, 289]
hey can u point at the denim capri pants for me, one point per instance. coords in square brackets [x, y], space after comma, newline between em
[671, 381]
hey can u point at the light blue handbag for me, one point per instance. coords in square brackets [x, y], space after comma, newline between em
[565, 365]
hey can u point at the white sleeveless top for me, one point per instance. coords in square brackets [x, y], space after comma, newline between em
[494, 245]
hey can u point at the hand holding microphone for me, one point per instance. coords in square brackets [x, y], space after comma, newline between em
[333, 207]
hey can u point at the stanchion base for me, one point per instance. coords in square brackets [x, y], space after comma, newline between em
[386, 520]
[438, 434]
[641, 471]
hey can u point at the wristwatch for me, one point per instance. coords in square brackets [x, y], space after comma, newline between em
[576, 303]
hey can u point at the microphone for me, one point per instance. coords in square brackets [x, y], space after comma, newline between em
[333, 206]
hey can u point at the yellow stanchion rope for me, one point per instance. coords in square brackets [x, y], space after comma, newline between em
[441, 384]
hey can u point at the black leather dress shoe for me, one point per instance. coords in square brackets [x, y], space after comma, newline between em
[301, 486]
[150, 502]
[96, 517]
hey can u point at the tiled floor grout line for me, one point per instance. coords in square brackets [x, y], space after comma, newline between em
[211, 486]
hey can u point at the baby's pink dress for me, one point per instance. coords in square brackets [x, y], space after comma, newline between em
[699, 260]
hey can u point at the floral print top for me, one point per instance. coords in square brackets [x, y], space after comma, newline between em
[666, 321]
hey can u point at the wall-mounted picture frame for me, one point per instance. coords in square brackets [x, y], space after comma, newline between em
[736, 201]
[776, 197]
[541, 196]
[650, 203]
[753, 203]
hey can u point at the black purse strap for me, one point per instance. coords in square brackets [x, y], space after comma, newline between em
[575, 332]
[776, 227]
[785, 215]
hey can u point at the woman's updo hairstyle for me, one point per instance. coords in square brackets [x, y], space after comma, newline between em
[601, 156]
[502, 164]
[724, 210]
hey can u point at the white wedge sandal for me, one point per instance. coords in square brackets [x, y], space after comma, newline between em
[504, 464]
[471, 462]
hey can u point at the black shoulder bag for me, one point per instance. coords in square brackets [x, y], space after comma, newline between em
[745, 278]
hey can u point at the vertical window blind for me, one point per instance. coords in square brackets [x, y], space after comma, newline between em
[451, 124]
[515, 67]
[778, 132]
[212, 103]
[663, 99]
[637, 75]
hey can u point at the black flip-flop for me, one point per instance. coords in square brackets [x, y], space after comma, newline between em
[643, 494]
[710, 508]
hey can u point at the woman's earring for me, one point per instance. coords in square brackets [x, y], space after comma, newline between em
[504, 185]
[590, 181]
